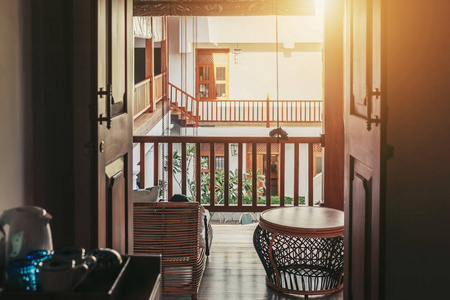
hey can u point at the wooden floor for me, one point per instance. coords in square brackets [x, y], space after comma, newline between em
[233, 270]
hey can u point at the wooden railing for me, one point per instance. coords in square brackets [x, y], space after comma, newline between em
[141, 97]
[180, 165]
[158, 88]
[187, 104]
[265, 111]
[247, 111]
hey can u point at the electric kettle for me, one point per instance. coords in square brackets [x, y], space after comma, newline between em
[29, 230]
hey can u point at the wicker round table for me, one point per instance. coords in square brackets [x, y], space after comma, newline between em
[302, 249]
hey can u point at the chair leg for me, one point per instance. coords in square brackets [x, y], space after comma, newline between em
[194, 296]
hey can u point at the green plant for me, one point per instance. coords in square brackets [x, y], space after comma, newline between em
[219, 183]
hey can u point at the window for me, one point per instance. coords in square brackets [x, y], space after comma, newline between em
[212, 73]
[221, 82]
[220, 163]
[203, 77]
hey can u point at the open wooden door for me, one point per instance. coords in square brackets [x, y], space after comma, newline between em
[362, 99]
[114, 127]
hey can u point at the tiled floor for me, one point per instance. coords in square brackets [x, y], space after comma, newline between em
[233, 270]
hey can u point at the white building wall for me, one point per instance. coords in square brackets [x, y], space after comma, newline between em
[255, 74]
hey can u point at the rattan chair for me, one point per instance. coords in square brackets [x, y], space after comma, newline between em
[172, 229]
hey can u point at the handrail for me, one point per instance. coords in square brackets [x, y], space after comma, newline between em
[246, 111]
[158, 88]
[287, 111]
[232, 191]
[141, 99]
[184, 104]
[140, 83]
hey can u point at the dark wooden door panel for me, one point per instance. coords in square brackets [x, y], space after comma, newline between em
[360, 223]
[117, 49]
[115, 37]
[362, 149]
[116, 206]
[359, 58]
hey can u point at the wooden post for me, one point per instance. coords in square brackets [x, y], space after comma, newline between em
[212, 174]
[226, 171]
[310, 174]
[254, 175]
[169, 170]
[198, 178]
[183, 168]
[149, 70]
[268, 173]
[155, 164]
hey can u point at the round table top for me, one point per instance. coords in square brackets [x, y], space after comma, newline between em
[304, 221]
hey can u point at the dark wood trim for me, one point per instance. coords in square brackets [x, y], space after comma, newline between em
[223, 8]
[282, 172]
[183, 168]
[240, 162]
[296, 173]
[149, 72]
[226, 173]
[198, 172]
[310, 174]
[222, 139]
[268, 173]
[237, 208]
[212, 174]
[254, 175]
[156, 164]
[169, 170]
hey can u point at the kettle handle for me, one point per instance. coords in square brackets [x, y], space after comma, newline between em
[2, 223]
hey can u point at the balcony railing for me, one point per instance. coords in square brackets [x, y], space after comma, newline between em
[183, 104]
[141, 97]
[233, 191]
[244, 111]
[143, 94]
[158, 88]
[264, 111]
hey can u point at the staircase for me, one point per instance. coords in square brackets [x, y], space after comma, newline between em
[184, 106]
[184, 117]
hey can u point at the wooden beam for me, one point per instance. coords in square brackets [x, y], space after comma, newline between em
[333, 194]
[223, 8]
[310, 175]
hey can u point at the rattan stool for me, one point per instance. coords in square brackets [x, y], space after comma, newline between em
[302, 249]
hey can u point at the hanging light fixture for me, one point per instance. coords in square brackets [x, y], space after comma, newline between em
[278, 132]
[234, 149]
[237, 52]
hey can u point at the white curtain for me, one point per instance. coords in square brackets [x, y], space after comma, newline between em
[157, 29]
[143, 28]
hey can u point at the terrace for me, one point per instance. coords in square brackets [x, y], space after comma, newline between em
[226, 173]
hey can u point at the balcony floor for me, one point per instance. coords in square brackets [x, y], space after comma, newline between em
[233, 270]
